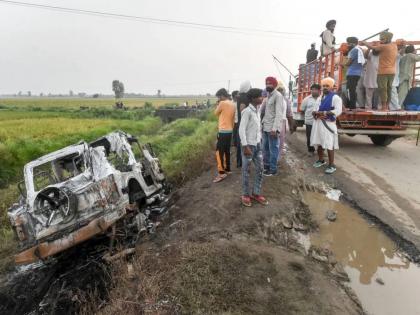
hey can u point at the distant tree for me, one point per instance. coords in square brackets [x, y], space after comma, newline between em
[159, 93]
[20, 93]
[41, 94]
[96, 95]
[29, 93]
[118, 88]
[81, 94]
[208, 95]
[71, 93]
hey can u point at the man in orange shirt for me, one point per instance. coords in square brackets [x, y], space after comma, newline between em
[226, 112]
[388, 53]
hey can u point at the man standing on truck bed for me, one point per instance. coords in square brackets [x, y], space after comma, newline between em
[226, 112]
[407, 63]
[324, 131]
[355, 63]
[311, 54]
[388, 53]
[328, 38]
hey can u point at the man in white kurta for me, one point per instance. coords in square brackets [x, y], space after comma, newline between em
[324, 133]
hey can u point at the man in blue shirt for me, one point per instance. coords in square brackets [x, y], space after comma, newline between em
[355, 63]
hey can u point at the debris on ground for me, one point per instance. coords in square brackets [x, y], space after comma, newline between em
[331, 215]
[380, 281]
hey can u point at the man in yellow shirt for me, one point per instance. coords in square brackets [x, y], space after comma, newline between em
[225, 110]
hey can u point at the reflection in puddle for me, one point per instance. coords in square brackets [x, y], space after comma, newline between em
[367, 254]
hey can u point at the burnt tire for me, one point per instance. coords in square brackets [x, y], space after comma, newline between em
[382, 140]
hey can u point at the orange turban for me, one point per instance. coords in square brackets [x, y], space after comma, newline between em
[328, 81]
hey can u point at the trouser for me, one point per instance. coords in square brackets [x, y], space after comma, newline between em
[282, 138]
[403, 91]
[361, 93]
[352, 81]
[237, 144]
[369, 98]
[257, 159]
[308, 138]
[395, 104]
[271, 147]
[385, 87]
[223, 152]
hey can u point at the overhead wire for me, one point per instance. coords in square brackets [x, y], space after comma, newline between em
[179, 23]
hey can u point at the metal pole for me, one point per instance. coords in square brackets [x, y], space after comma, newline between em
[385, 30]
[287, 69]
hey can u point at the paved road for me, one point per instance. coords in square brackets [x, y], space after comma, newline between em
[385, 181]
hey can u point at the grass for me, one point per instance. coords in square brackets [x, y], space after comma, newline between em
[26, 139]
[198, 278]
[75, 103]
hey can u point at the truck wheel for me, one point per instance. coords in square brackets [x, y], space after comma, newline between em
[382, 140]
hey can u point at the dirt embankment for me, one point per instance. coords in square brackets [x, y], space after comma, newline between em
[213, 256]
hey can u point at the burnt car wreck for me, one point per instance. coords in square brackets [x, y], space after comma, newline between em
[73, 194]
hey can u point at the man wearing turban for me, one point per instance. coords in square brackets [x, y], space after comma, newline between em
[324, 133]
[328, 39]
[388, 53]
[275, 113]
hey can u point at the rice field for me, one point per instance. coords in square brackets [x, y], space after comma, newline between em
[76, 102]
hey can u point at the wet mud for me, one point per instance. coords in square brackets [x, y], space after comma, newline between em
[382, 276]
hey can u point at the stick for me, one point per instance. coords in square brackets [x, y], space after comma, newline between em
[276, 59]
[418, 134]
[385, 30]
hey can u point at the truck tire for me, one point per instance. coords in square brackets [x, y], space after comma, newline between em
[382, 140]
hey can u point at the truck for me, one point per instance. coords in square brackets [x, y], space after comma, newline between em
[381, 126]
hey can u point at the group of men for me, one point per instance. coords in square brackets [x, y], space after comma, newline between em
[385, 68]
[256, 120]
[321, 112]
[381, 74]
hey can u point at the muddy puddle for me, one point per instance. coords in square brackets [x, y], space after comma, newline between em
[382, 277]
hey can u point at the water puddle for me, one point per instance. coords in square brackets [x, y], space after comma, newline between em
[384, 280]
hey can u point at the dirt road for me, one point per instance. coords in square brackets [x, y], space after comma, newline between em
[384, 181]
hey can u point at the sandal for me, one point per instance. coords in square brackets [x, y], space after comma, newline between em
[219, 178]
[246, 201]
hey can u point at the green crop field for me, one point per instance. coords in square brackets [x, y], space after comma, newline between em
[73, 103]
[32, 128]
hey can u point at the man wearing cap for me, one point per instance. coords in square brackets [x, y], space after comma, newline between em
[328, 39]
[355, 63]
[311, 54]
[324, 134]
[388, 53]
[275, 112]
[226, 113]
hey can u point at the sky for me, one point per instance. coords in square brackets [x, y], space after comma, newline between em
[53, 52]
